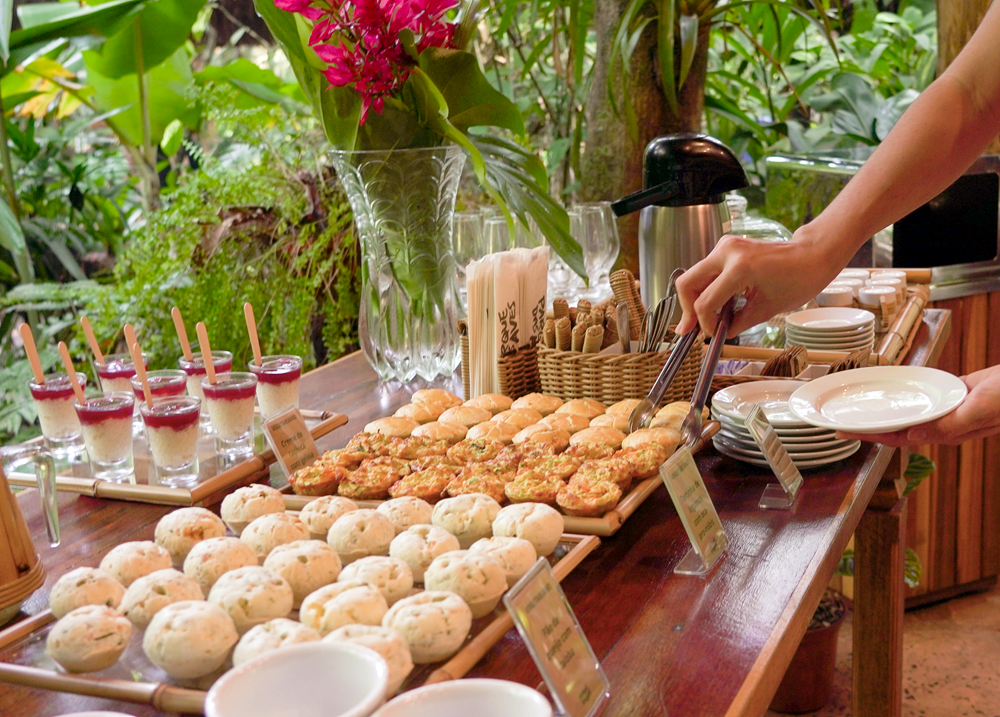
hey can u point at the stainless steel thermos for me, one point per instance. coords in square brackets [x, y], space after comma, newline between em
[682, 206]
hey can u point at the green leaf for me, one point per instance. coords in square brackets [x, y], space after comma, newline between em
[159, 30]
[336, 108]
[470, 98]
[259, 86]
[689, 43]
[514, 174]
[172, 137]
[11, 234]
[918, 468]
[846, 565]
[431, 110]
[913, 568]
[170, 91]
[665, 49]
[102, 20]
[6, 19]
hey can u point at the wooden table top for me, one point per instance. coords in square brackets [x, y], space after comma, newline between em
[669, 644]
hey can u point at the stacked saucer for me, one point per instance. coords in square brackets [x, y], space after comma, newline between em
[831, 329]
[808, 446]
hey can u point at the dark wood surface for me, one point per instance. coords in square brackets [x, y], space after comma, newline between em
[669, 644]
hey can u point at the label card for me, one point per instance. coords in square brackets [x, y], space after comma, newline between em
[556, 642]
[291, 440]
[697, 512]
[781, 463]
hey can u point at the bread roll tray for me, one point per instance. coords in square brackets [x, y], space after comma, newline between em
[135, 679]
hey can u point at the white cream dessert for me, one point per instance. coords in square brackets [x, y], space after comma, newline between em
[195, 370]
[107, 427]
[230, 402]
[54, 401]
[277, 383]
[172, 431]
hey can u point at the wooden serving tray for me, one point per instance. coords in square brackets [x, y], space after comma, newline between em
[134, 679]
[76, 477]
[605, 526]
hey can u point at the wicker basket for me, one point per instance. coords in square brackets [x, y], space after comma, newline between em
[518, 372]
[611, 377]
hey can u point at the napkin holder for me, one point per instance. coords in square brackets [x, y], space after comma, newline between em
[517, 372]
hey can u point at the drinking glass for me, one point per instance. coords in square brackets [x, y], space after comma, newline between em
[11, 459]
[115, 372]
[60, 425]
[277, 383]
[172, 434]
[594, 239]
[107, 432]
[574, 287]
[195, 370]
[230, 404]
[467, 241]
[614, 245]
[163, 382]
[496, 234]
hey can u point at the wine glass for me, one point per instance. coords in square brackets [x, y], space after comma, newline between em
[593, 238]
[496, 234]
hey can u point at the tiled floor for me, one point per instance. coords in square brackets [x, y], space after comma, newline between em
[951, 660]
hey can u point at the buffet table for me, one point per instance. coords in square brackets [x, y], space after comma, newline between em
[669, 644]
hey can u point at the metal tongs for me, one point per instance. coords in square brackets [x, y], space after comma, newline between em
[643, 413]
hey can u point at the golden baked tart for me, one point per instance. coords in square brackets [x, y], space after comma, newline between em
[588, 499]
[475, 450]
[485, 483]
[561, 466]
[533, 487]
[590, 451]
[371, 444]
[318, 479]
[428, 462]
[427, 485]
[646, 459]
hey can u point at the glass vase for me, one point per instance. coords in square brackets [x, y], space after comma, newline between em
[403, 202]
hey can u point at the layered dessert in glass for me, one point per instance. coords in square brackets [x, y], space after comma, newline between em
[107, 433]
[172, 434]
[277, 383]
[163, 382]
[230, 403]
[54, 401]
[195, 370]
[116, 371]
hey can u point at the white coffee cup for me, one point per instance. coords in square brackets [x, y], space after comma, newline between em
[310, 679]
[479, 697]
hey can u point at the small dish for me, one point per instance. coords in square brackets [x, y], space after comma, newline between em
[878, 399]
[736, 401]
[310, 679]
[800, 464]
[479, 697]
[832, 318]
[796, 455]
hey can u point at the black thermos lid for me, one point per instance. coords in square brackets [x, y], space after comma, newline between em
[685, 169]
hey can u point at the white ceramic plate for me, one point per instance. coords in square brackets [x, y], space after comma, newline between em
[846, 334]
[796, 455]
[800, 464]
[830, 318]
[799, 429]
[855, 338]
[830, 347]
[736, 401]
[747, 443]
[878, 399]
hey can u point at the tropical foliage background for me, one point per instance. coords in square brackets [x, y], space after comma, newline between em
[161, 152]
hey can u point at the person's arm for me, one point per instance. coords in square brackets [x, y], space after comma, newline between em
[932, 144]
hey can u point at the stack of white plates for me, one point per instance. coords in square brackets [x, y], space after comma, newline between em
[831, 329]
[808, 446]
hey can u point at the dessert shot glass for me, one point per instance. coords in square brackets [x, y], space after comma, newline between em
[116, 371]
[277, 383]
[172, 433]
[230, 404]
[54, 401]
[163, 382]
[195, 370]
[107, 433]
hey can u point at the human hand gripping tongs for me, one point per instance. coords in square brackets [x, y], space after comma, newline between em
[643, 413]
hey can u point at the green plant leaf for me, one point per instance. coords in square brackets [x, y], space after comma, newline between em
[170, 91]
[6, 19]
[514, 174]
[258, 86]
[918, 468]
[689, 43]
[336, 108]
[665, 50]
[846, 565]
[470, 98]
[163, 27]
[101, 20]
[173, 134]
[11, 234]
[913, 568]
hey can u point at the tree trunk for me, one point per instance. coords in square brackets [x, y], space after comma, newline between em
[957, 20]
[612, 161]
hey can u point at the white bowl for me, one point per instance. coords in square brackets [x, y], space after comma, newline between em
[460, 698]
[310, 679]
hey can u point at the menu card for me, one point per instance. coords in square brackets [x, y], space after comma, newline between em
[556, 642]
[781, 463]
[697, 512]
[291, 440]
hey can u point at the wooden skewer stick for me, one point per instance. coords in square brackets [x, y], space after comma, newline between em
[140, 372]
[182, 334]
[252, 330]
[129, 336]
[91, 339]
[71, 372]
[206, 351]
[29, 348]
